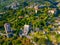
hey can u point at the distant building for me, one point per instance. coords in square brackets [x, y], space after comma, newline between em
[52, 11]
[36, 8]
[14, 5]
[26, 29]
[8, 29]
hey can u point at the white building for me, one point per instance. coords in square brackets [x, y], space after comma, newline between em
[26, 29]
[36, 9]
[52, 11]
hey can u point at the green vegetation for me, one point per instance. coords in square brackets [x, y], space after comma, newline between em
[24, 15]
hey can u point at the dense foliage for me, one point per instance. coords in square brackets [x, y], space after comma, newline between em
[18, 18]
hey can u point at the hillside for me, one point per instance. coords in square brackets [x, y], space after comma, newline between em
[29, 22]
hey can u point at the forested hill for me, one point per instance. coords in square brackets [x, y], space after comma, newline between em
[29, 22]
